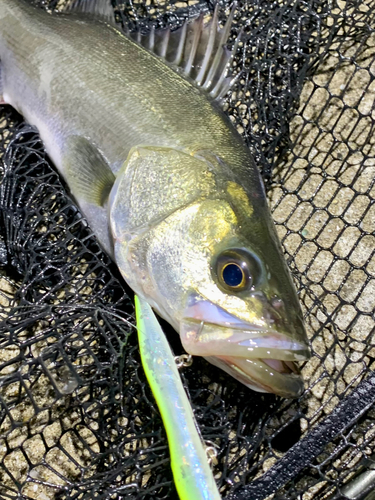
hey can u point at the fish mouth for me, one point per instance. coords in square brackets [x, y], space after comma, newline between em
[262, 358]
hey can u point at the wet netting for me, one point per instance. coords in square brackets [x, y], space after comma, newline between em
[77, 418]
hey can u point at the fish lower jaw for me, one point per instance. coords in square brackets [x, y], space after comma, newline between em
[263, 375]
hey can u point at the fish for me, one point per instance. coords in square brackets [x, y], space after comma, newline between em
[135, 126]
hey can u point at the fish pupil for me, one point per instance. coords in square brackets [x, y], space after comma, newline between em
[232, 275]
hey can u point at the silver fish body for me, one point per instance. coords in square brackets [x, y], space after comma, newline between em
[166, 183]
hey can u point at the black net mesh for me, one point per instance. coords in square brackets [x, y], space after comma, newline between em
[77, 418]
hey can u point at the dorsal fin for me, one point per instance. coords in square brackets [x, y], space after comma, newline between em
[98, 8]
[198, 51]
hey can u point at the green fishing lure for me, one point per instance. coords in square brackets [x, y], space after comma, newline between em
[191, 471]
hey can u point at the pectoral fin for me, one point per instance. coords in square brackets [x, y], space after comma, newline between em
[90, 180]
[87, 172]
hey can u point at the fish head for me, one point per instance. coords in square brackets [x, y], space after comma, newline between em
[214, 269]
[242, 311]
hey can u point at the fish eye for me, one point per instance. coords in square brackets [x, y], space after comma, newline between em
[233, 275]
[236, 270]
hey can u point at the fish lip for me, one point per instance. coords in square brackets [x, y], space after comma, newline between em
[207, 329]
[259, 377]
[200, 338]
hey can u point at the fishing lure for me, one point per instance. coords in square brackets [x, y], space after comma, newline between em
[191, 471]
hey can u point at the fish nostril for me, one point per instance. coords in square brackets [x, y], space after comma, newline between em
[276, 313]
[277, 304]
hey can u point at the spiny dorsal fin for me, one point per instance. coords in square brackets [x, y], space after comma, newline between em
[198, 50]
[99, 8]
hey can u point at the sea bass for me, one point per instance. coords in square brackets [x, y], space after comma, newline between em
[163, 178]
